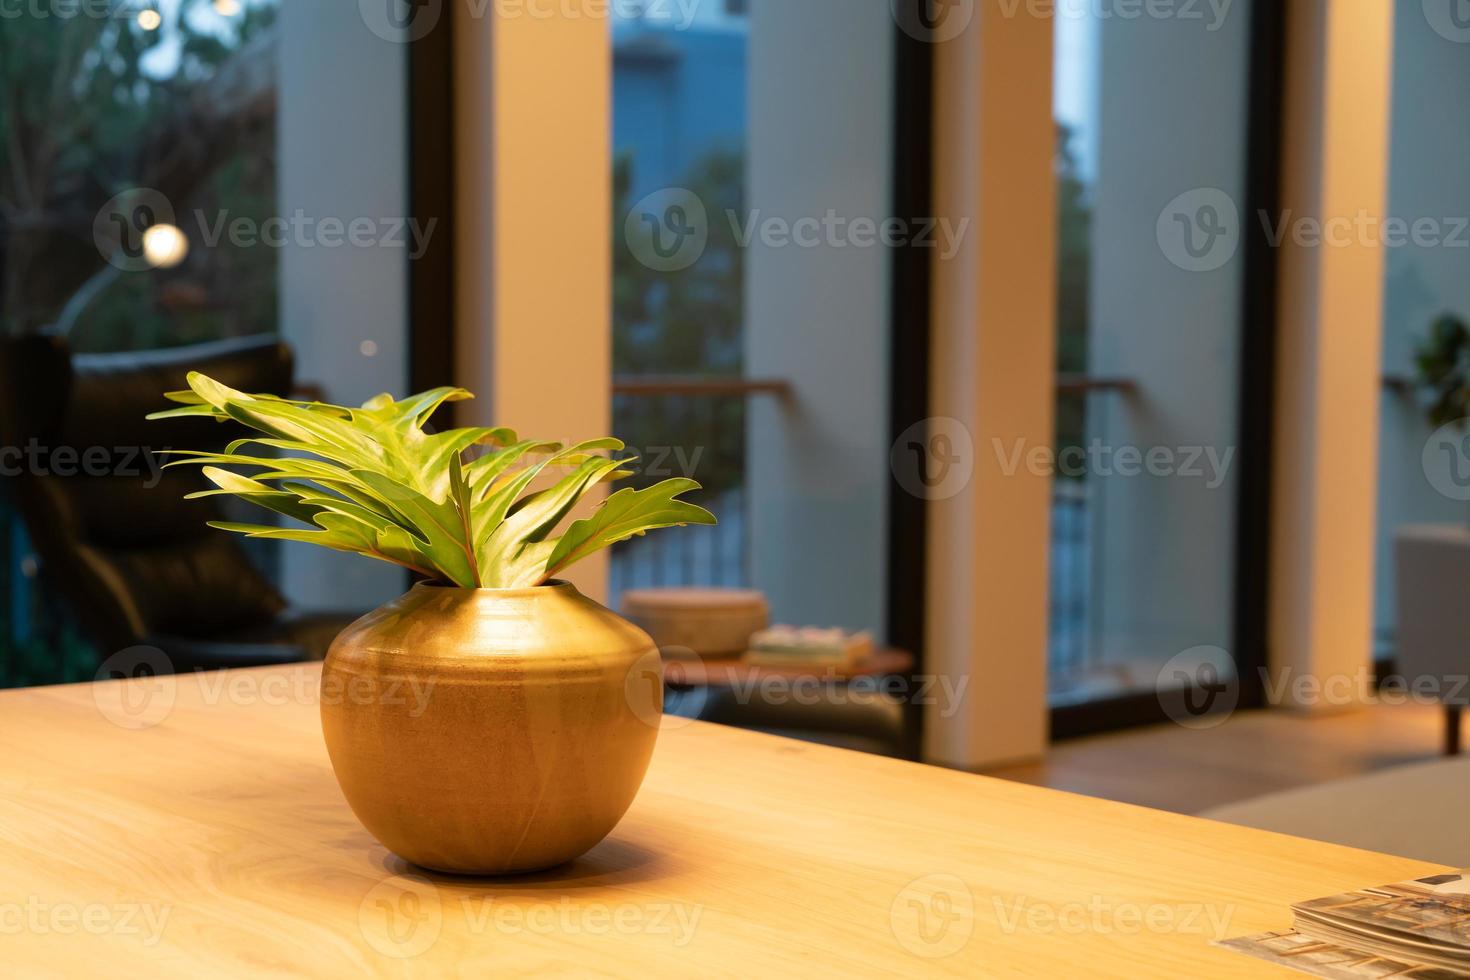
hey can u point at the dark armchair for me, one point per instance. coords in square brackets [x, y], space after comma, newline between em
[132, 559]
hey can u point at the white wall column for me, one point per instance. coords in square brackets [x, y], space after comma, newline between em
[534, 206]
[993, 374]
[1330, 321]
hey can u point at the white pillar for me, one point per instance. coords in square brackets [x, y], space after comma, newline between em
[1330, 321]
[993, 375]
[534, 207]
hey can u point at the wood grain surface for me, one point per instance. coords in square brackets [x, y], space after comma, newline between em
[192, 827]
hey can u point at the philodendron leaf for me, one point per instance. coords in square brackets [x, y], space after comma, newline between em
[626, 514]
[255, 492]
[511, 550]
[370, 480]
[437, 524]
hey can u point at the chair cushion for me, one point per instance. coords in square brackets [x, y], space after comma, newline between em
[133, 557]
[1416, 811]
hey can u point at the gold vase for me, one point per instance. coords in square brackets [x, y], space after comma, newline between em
[491, 731]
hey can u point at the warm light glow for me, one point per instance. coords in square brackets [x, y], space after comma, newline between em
[149, 20]
[164, 246]
[227, 8]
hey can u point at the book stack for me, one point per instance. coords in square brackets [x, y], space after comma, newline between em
[1418, 929]
[789, 646]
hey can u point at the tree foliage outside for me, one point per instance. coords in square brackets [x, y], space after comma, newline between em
[1443, 363]
[687, 322]
[91, 107]
[1074, 283]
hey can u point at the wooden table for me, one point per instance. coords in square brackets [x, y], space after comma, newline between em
[192, 828]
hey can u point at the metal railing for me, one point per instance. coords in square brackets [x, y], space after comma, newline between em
[1075, 528]
[694, 427]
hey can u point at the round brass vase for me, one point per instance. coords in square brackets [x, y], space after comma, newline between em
[491, 731]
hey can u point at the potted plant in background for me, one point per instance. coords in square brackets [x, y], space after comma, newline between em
[492, 719]
[1443, 362]
[1432, 561]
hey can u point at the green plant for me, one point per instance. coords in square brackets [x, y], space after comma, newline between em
[457, 506]
[1443, 361]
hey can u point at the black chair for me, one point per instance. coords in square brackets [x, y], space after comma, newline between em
[114, 535]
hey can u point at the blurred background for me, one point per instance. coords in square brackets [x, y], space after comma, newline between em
[187, 172]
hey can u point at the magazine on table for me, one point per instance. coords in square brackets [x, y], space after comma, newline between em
[1418, 929]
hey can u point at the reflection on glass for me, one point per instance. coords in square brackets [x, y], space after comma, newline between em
[1150, 172]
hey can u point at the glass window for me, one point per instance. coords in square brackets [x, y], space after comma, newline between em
[1424, 472]
[1151, 184]
[175, 172]
[753, 146]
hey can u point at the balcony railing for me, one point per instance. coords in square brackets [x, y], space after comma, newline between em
[694, 427]
[1075, 527]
